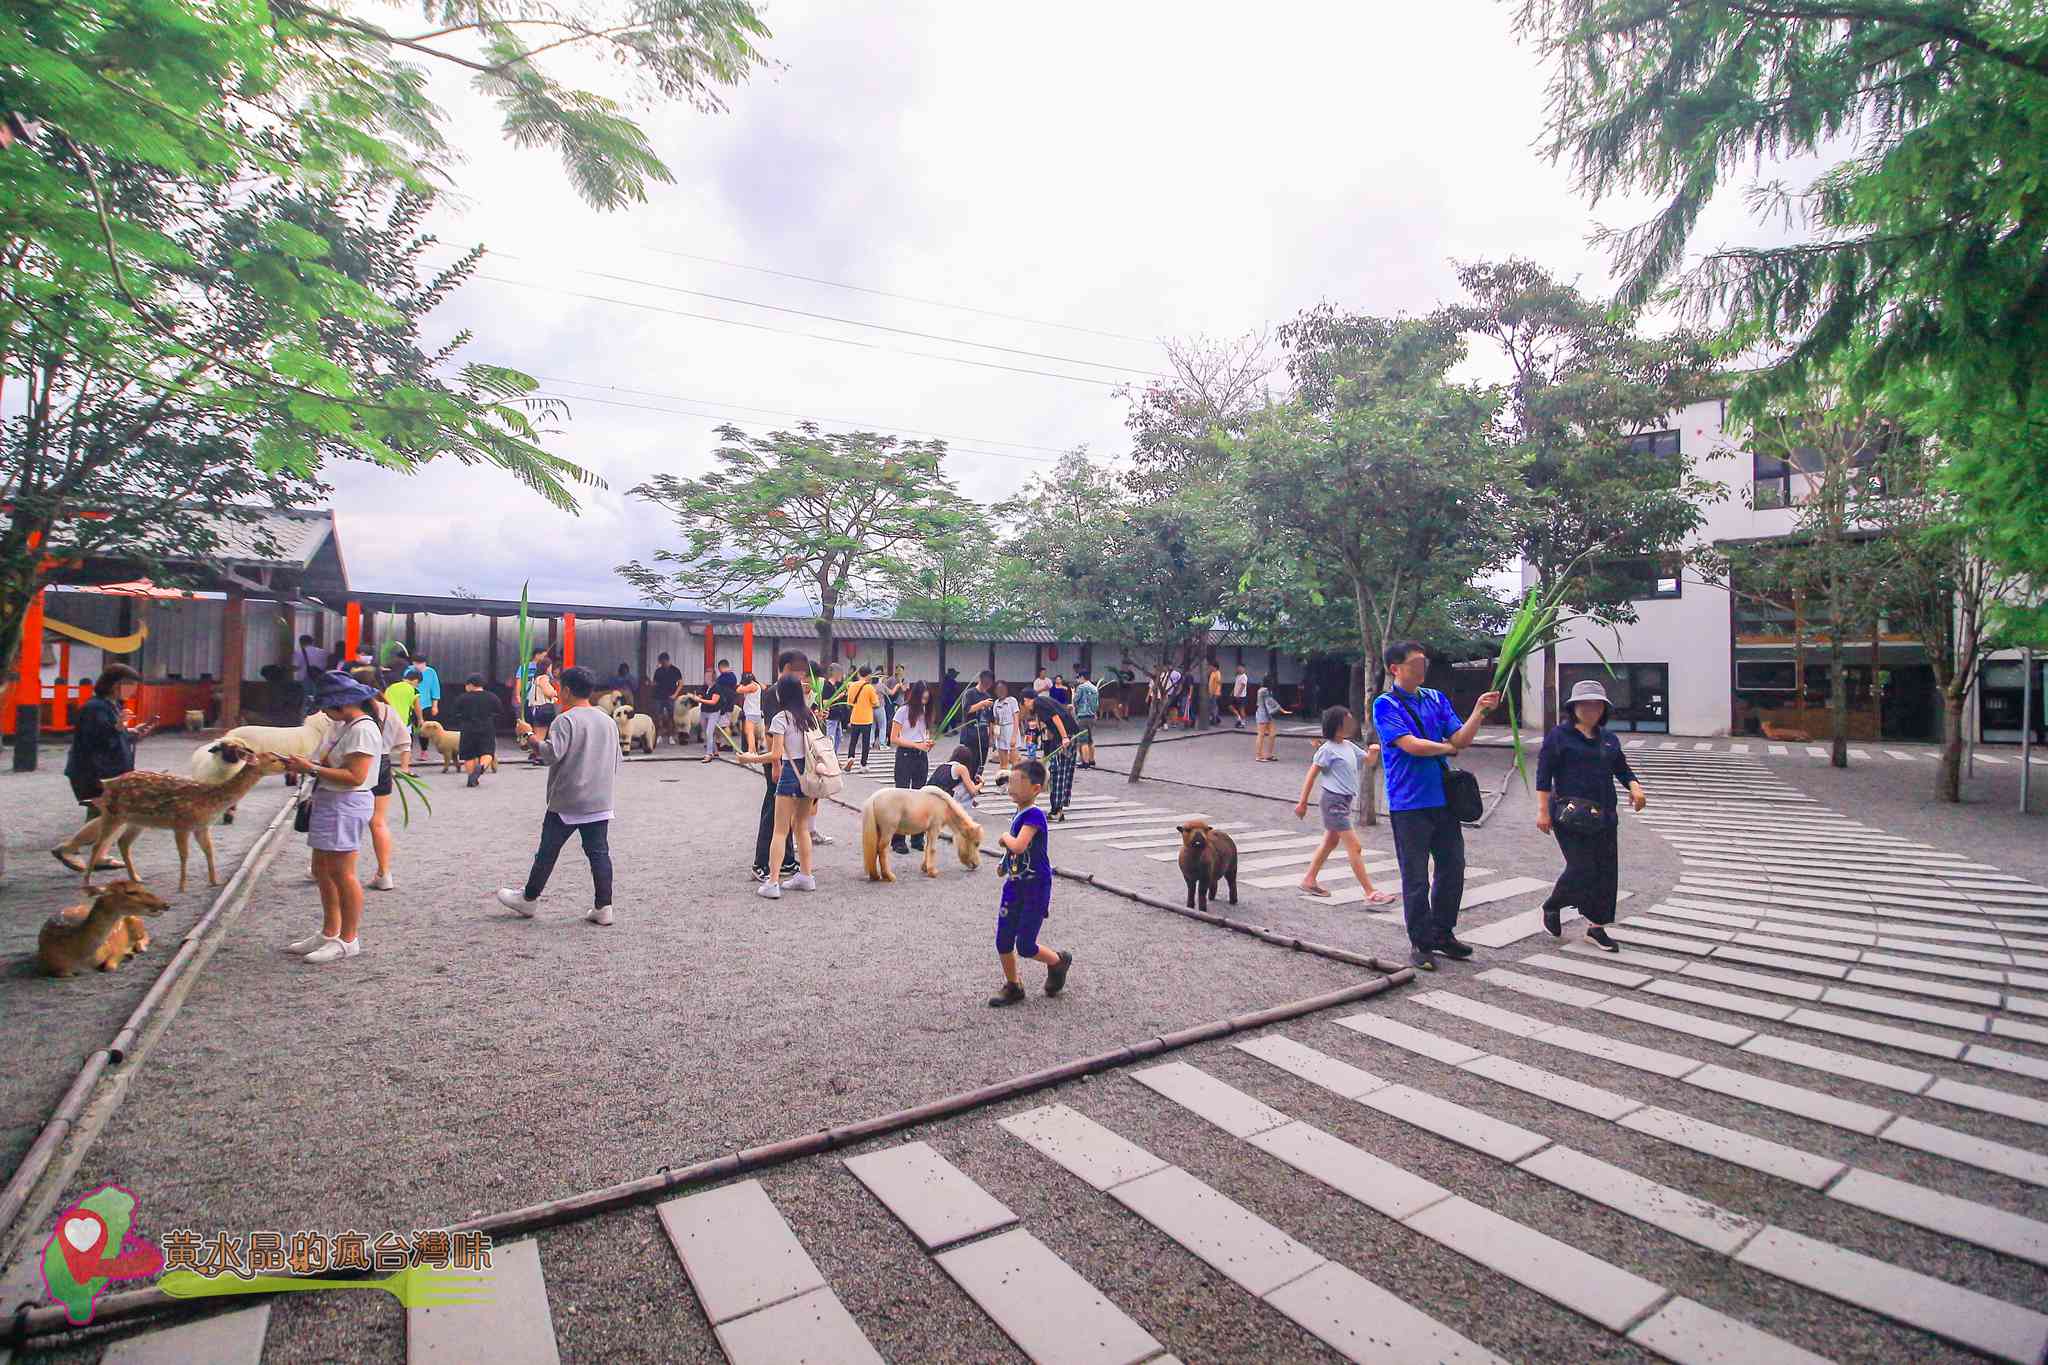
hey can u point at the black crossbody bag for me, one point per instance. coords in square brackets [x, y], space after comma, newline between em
[1461, 788]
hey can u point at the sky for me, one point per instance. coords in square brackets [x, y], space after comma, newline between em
[1116, 174]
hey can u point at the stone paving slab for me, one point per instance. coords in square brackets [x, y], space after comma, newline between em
[1350, 1170]
[738, 1250]
[1317, 1068]
[1741, 1149]
[1965, 1219]
[1362, 1322]
[223, 1339]
[515, 1329]
[1607, 1294]
[811, 1329]
[1454, 1122]
[1692, 1334]
[1043, 1304]
[1082, 1146]
[1229, 1238]
[1662, 1207]
[1229, 1108]
[1792, 1099]
[929, 1194]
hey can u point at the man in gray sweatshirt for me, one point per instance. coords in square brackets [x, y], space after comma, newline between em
[582, 755]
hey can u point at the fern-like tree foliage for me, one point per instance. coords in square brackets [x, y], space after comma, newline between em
[1921, 265]
[210, 257]
[830, 516]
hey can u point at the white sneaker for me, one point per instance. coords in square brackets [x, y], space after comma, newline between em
[515, 900]
[334, 950]
[820, 837]
[306, 944]
[601, 915]
[383, 883]
[769, 890]
[804, 881]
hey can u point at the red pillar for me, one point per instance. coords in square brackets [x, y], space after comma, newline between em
[28, 686]
[710, 650]
[568, 639]
[747, 647]
[351, 633]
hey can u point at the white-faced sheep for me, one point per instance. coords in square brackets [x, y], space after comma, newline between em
[209, 763]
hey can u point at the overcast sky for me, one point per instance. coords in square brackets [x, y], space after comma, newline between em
[1151, 170]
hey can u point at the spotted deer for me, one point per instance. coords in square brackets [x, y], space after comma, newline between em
[134, 802]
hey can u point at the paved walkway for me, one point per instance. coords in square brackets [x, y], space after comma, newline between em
[1800, 1117]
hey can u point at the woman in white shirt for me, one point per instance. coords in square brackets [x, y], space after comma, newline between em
[911, 735]
[1005, 711]
[345, 773]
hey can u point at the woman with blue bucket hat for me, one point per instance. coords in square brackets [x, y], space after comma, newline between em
[337, 814]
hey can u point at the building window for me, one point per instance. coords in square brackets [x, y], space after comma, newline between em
[1772, 479]
[1637, 693]
[1654, 443]
[1764, 675]
[1657, 576]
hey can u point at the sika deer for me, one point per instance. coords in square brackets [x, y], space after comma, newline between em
[133, 802]
[103, 934]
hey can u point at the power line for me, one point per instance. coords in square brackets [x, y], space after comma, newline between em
[784, 331]
[803, 416]
[830, 317]
[717, 417]
[907, 298]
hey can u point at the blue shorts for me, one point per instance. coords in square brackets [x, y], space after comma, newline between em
[1025, 906]
[786, 779]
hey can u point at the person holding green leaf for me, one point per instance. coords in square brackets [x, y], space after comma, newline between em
[1419, 733]
[1577, 771]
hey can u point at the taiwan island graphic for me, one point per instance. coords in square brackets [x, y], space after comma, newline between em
[93, 1245]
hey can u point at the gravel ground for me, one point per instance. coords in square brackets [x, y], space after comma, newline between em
[54, 1025]
[470, 1062]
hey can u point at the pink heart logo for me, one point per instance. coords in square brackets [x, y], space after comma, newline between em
[82, 1236]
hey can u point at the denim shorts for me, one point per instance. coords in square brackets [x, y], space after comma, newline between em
[786, 780]
[1336, 811]
[340, 821]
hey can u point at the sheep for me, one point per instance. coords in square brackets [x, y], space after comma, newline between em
[633, 728]
[447, 742]
[609, 701]
[208, 764]
[689, 720]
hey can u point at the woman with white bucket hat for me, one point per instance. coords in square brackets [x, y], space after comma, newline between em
[1577, 772]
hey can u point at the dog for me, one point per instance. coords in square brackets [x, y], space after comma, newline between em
[923, 811]
[1786, 733]
[1207, 856]
[103, 933]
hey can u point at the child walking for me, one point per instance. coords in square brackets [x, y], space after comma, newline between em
[475, 714]
[1027, 890]
[581, 753]
[1342, 765]
[1006, 726]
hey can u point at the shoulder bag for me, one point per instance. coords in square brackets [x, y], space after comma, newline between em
[1461, 788]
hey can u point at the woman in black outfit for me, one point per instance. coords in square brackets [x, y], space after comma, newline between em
[1576, 774]
[910, 734]
[102, 746]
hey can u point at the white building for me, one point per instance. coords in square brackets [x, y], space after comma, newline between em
[1700, 660]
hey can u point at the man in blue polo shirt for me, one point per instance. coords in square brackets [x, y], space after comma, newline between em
[1418, 732]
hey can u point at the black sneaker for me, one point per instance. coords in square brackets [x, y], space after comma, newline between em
[1422, 960]
[897, 845]
[474, 778]
[1598, 935]
[1012, 994]
[917, 844]
[1553, 919]
[1056, 975]
[1451, 948]
[760, 874]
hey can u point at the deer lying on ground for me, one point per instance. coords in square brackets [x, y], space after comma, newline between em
[104, 934]
[134, 802]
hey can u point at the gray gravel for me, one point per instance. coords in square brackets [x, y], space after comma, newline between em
[54, 1025]
[470, 1062]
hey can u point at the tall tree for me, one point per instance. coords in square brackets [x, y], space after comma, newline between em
[1936, 585]
[209, 276]
[954, 582]
[1383, 471]
[825, 514]
[1922, 253]
[1592, 508]
[1179, 424]
[1830, 559]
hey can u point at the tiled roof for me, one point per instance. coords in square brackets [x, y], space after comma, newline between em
[274, 538]
[790, 625]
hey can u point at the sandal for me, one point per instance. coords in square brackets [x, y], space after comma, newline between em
[1319, 892]
[1380, 898]
[68, 859]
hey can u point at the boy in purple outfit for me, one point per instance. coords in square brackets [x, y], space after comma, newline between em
[1027, 890]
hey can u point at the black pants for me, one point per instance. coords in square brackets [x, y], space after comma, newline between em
[1431, 907]
[1592, 872]
[767, 828]
[976, 738]
[597, 847]
[861, 735]
[913, 767]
